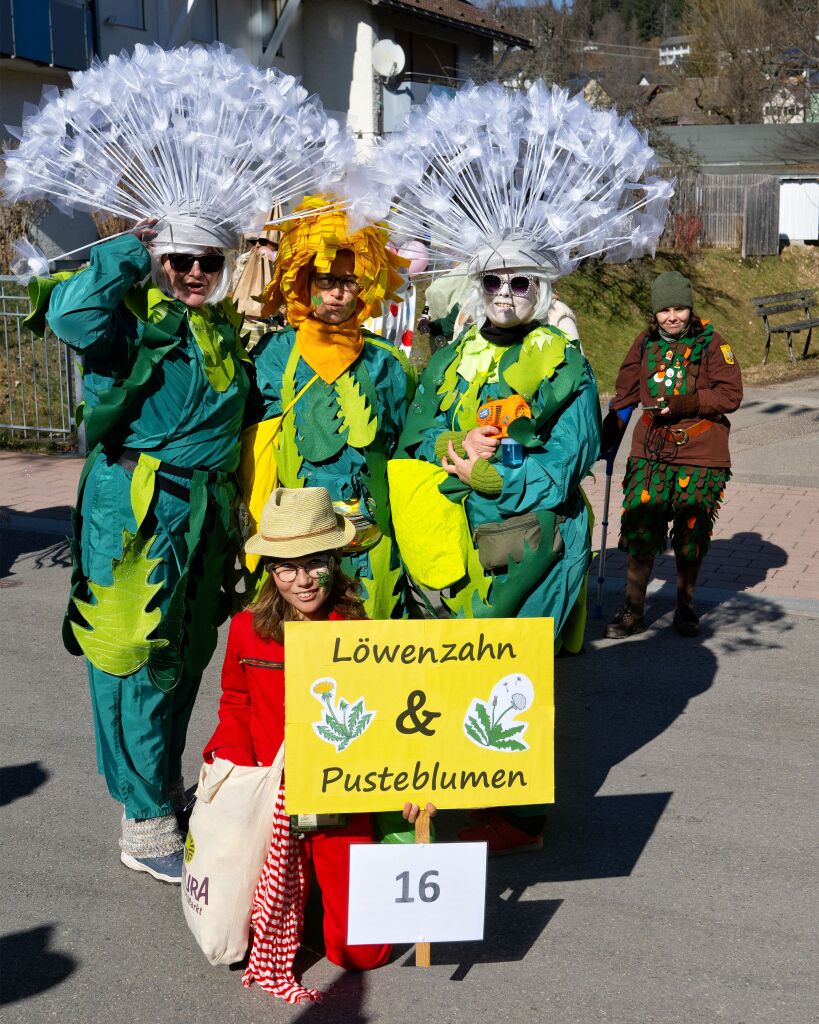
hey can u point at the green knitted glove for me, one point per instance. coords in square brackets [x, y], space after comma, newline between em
[485, 478]
[442, 443]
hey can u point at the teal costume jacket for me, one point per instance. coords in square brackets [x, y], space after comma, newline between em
[154, 542]
[561, 443]
[322, 450]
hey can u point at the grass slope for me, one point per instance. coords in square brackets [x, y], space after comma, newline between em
[611, 304]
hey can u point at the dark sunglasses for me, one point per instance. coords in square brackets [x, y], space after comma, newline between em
[518, 285]
[210, 263]
[263, 241]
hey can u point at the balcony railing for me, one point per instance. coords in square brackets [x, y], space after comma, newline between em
[53, 32]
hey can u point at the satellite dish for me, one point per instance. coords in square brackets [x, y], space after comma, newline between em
[388, 58]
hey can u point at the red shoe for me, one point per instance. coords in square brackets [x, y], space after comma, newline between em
[501, 837]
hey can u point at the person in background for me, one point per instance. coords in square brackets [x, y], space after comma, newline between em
[687, 379]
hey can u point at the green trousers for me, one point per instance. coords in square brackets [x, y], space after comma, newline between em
[141, 716]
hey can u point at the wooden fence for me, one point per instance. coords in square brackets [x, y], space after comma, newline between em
[737, 211]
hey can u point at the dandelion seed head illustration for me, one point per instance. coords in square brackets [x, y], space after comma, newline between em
[519, 701]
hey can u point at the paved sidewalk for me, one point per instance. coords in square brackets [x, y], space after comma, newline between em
[766, 539]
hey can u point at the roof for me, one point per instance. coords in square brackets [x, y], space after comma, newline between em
[457, 14]
[780, 149]
[676, 41]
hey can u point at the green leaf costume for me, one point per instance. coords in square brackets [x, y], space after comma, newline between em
[340, 436]
[561, 442]
[153, 540]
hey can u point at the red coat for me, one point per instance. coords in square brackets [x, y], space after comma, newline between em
[251, 710]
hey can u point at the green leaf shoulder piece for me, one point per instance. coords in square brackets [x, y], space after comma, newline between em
[39, 295]
[118, 638]
[539, 355]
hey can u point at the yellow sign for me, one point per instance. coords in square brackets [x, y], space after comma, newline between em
[457, 712]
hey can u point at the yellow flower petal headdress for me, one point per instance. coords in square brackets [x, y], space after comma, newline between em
[311, 242]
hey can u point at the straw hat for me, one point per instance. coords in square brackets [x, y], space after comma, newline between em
[299, 522]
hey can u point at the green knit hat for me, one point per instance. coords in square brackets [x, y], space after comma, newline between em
[671, 289]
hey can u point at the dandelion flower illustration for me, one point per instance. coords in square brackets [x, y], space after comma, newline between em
[341, 724]
[484, 721]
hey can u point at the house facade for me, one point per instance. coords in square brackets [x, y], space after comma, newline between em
[327, 43]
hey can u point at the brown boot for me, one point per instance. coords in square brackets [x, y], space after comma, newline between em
[631, 620]
[685, 621]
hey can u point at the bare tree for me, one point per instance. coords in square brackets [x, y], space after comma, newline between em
[749, 45]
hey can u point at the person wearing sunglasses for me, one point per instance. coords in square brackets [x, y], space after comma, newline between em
[335, 394]
[165, 387]
[519, 495]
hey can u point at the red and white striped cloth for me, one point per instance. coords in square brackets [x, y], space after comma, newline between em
[277, 917]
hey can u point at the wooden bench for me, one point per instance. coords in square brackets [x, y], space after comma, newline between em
[786, 302]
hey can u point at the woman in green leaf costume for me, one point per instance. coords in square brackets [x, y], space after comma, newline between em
[339, 394]
[154, 545]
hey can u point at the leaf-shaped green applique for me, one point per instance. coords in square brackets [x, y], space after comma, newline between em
[219, 366]
[120, 624]
[288, 457]
[535, 363]
[381, 599]
[465, 416]
[448, 389]
[319, 433]
[357, 416]
[474, 592]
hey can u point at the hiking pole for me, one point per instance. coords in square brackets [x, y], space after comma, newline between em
[601, 572]
[623, 415]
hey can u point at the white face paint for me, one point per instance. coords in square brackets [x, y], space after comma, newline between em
[509, 297]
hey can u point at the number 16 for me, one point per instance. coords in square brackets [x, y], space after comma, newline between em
[428, 891]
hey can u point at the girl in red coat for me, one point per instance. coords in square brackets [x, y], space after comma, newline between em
[299, 539]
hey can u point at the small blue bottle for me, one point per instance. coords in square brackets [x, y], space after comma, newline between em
[511, 452]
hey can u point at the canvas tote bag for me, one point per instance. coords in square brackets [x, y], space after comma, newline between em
[228, 838]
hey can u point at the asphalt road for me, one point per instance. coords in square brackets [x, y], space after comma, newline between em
[677, 881]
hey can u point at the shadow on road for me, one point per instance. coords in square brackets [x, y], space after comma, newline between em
[29, 967]
[610, 702]
[48, 549]
[343, 1002]
[18, 780]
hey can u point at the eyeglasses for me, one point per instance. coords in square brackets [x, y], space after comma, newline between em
[210, 263]
[518, 285]
[329, 282]
[263, 241]
[286, 572]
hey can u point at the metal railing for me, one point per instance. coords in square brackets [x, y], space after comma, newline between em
[40, 378]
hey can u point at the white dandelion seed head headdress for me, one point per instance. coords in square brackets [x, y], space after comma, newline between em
[526, 180]
[196, 137]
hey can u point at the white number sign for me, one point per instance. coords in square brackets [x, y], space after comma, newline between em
[423, 893]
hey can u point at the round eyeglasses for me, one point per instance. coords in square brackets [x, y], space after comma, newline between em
[286, 572]
[518, 285]
[329, 282]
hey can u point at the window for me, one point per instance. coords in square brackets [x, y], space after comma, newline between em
[125, 13]
[203, 21]
[428, 59]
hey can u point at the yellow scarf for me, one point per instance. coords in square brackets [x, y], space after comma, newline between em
[329, 349]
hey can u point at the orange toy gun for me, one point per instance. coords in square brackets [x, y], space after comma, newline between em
[503, 411]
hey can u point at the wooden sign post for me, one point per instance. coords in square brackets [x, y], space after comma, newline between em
[422, 951]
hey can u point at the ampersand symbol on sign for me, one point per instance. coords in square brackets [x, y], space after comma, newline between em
[415, 703]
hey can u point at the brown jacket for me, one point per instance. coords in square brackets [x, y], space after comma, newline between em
[717, 381]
